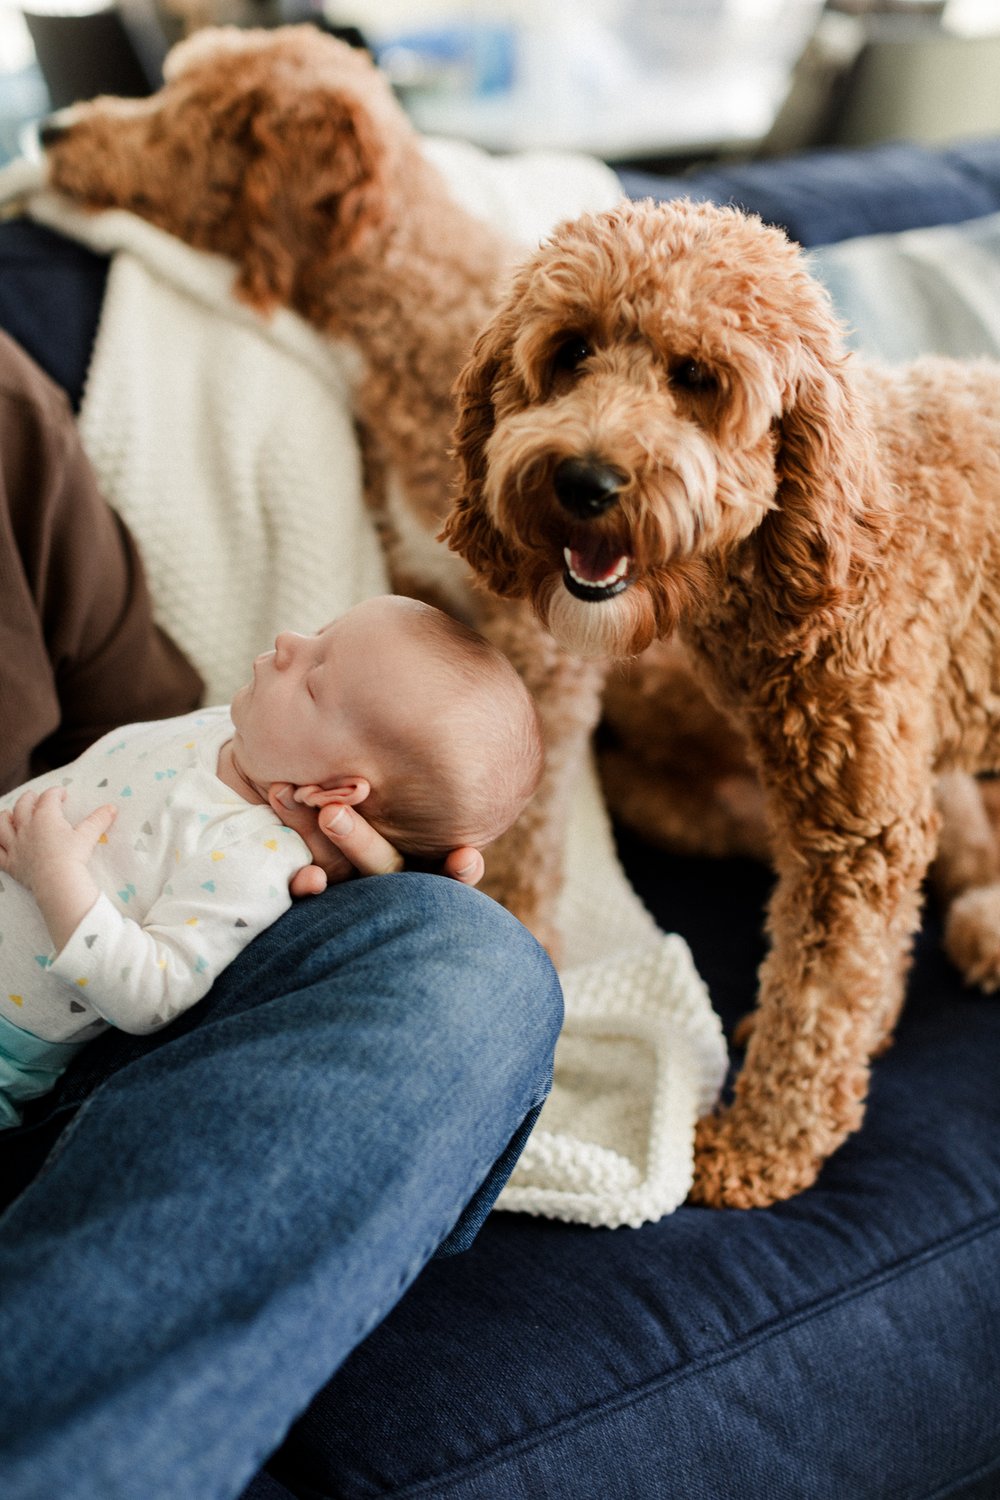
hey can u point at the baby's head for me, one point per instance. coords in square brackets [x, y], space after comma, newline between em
[450, 729]
[399, 707]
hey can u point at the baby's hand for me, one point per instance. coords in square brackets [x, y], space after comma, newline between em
[38, 842]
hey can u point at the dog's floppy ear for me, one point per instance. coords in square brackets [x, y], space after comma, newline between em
[811, 545]
[314, 188]
[469, 529]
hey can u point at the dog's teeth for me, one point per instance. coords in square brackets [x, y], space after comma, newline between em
[614, 575]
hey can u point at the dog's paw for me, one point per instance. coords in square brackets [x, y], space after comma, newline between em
[731, 1174]
[972, 936]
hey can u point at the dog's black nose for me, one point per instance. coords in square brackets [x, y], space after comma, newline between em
[49, 130]
[586, 487]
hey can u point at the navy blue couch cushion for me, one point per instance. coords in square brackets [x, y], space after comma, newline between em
[51, 292]
[821, 197]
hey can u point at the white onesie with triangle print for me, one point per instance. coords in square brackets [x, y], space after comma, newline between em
[189, 873]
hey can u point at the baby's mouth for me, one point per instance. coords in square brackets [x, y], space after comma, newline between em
[596, 571]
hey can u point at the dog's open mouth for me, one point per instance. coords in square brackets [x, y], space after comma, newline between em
[597, 571]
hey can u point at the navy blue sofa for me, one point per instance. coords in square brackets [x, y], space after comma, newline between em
[841, 1346]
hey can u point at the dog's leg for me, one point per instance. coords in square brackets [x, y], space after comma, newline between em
[968, 855]
[673, 766]
[524, 868]
[966, 876]
[683, 814]
[842, 919]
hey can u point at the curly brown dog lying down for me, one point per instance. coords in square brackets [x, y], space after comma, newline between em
[661, 429]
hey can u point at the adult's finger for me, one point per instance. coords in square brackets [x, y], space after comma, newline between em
[464, 865]
[343, 843]
[303, 821]
[358, 841]
[309, 881]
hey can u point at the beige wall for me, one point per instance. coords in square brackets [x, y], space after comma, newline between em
[933, 89]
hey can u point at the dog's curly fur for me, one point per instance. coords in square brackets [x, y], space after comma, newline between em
[822, 533]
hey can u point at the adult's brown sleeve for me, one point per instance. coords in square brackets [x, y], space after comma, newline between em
[79, 651]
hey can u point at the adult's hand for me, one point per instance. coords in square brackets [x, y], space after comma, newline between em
[342, 844]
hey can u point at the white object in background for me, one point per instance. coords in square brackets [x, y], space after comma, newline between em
[971, 17]
[652, 78]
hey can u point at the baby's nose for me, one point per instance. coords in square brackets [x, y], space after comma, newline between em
[285, 646]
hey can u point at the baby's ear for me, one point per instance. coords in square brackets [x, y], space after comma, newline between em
[348, 792]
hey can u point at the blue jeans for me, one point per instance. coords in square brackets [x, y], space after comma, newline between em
[247, 1195]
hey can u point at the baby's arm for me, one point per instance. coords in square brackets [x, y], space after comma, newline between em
[142, 974]
[43, 851]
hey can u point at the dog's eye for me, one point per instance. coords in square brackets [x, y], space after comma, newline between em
[570, 354]
[691, 375]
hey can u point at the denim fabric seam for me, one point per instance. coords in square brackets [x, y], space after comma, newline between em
[951, 1488]
[767, 1331]
[472, 1196]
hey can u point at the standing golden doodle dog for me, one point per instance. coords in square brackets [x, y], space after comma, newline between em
[661, 429]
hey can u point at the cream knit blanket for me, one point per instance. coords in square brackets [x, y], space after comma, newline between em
[226, 443]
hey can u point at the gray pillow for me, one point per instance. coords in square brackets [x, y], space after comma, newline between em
[925, 291]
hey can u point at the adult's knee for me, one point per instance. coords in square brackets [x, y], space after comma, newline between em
[461, 977]
[418, 951]
[437, 993]
[501, 998]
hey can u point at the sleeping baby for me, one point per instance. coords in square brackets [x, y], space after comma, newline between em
[124, 913]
